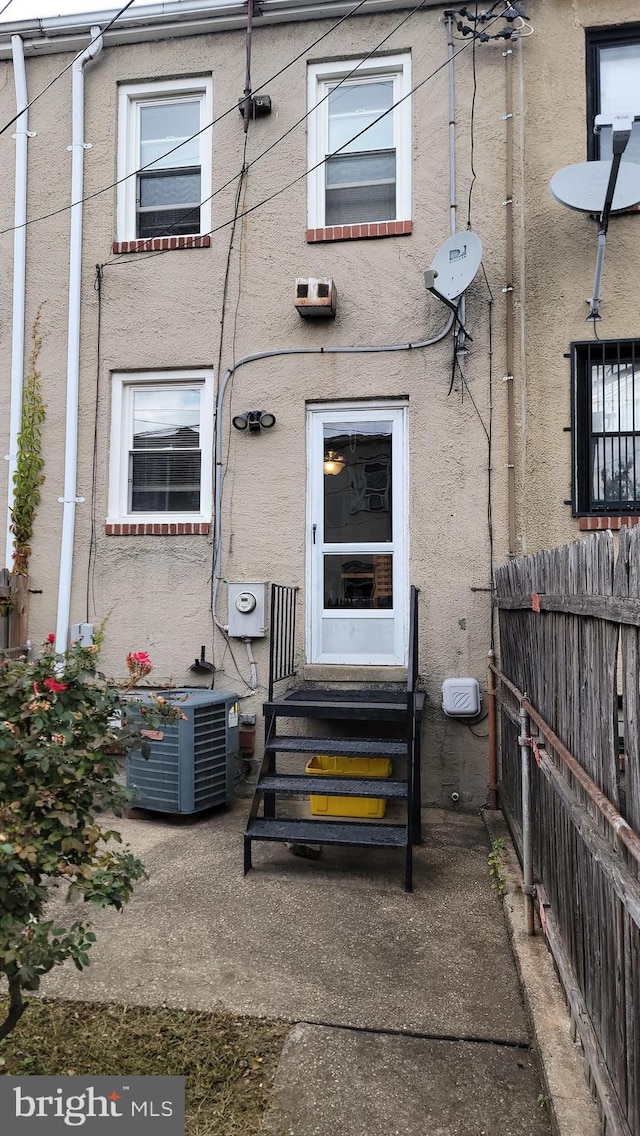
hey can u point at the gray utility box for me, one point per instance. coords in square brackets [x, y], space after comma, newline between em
[192, 762]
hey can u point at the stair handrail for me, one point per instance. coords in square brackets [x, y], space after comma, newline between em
[282, 627]
[412, 663]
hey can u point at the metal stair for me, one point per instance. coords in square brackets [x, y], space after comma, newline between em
[394, 709]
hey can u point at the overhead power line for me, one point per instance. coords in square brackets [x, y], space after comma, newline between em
[207, 126]
[301, 177]
[64, 69]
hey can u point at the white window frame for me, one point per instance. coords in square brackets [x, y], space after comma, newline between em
[131, 97]
[123, 384]
[321, 76]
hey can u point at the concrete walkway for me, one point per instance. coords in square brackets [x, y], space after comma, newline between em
[410, 1015]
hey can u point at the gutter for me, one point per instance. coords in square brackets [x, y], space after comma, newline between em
[178, 17]
[19, 279]
[69, 500]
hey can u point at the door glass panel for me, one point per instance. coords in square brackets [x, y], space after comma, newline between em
[358, 580]
[357, 483]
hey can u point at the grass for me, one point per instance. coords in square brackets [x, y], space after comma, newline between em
[229, 1062]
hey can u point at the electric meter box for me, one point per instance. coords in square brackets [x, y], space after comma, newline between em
[461, 697]
[247, 610]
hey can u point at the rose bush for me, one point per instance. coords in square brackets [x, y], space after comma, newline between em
[63, 729]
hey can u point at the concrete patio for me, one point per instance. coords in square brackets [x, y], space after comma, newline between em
[409, 1011]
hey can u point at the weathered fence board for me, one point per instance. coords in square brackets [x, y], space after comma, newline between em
[565, 614]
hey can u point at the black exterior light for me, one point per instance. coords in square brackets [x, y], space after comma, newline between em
[254, 420]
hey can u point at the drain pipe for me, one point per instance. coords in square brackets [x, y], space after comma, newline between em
[452, 126]
[19, 277]
[69, 500]
[509, 304]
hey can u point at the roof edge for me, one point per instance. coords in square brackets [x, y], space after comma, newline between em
[176, 17]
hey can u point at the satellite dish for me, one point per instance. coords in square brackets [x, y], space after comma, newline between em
[455, 264]
[583, 186]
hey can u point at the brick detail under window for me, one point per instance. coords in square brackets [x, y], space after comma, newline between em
[357, 232]
[161, 244]
[589, 524]
[186, 528]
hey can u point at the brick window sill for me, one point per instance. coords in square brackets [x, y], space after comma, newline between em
[358, 232]
[178, 528]
[594, 524]
[161, 244]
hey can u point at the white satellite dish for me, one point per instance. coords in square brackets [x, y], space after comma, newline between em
[455, 265]
[583, 186]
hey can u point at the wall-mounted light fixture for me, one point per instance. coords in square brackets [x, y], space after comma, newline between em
[333, 463]
[254, 421]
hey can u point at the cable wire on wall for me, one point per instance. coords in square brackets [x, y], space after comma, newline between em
[472, 123]
[97, 284]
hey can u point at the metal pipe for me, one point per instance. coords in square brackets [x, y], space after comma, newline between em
[509, 306]
[622, 829]
[493, 749]
[452, 126]
[594, 303]
[70, 498]
[246, 109]
[19, 277]
[527, 832]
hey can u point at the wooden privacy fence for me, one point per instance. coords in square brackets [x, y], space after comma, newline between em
[14, 599]
[568, 689]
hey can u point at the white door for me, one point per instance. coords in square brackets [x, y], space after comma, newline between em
[357, 534]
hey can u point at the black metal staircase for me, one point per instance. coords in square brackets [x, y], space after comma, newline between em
[395, 709]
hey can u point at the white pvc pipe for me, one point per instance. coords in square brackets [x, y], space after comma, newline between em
[19, 277]
[70, 498]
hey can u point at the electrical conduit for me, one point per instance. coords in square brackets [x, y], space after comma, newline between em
[19, 276]
[70, 499]
[277, 353]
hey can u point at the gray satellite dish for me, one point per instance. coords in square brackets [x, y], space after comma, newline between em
[583, 186]
[455, 265]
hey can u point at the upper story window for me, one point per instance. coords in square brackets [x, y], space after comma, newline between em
[165, 144]
[161, 446]
[606, 426]
[613, 86]
[362, 140]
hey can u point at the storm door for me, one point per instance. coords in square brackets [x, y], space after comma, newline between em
[357, 535]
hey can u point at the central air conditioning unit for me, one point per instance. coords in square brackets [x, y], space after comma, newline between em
[192, 763]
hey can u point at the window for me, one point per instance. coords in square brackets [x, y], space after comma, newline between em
[606, 427]
[169, 196]
[613, 86]
[363, 144]
[161, 446]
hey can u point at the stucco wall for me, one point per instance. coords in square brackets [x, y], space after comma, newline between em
[165, 312]
[558, 258]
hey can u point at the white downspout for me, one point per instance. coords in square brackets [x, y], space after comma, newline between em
[19, 276]
[70, 499]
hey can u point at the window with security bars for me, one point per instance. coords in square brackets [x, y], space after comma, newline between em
[164, 159]
[161, 446]
[613, 86]
[359, 141]
[607, 427]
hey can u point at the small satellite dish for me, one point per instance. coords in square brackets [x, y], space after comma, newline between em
[455, 264]
[583, 186]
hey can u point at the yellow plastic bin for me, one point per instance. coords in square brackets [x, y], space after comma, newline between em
[370, 807]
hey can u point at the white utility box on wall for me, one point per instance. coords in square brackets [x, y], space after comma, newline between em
[461, 697]
[247, 610]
